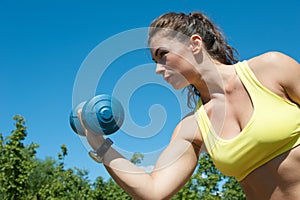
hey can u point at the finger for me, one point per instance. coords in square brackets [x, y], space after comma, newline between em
[94, 139]
[80, 120]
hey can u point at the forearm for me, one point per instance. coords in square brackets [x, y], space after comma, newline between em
[172, 170]
[135, 181]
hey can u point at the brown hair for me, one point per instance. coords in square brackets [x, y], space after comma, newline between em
[196, 23]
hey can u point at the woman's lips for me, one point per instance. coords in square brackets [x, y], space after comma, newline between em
[167, 78]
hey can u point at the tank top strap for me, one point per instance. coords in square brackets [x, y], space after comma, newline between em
[206, 129]
[249, 80]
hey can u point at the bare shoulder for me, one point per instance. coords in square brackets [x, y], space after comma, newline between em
[278, 72]
[276, 61]
[188, 129]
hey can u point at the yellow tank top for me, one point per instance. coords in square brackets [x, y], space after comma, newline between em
[273, 129]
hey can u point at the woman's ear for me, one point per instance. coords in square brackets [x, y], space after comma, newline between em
[196, 43]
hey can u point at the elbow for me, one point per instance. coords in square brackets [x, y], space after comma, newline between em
[150, 193]
[151, 197]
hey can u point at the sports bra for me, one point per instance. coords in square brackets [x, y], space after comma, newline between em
[273, 129]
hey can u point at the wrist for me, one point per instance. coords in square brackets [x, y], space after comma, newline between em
[99, 153]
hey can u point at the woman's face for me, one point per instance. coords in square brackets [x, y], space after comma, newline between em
[172, 60]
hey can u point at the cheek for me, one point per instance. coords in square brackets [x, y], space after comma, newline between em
[186, 69]
[177, 63]
[178, 80]
[181, 65]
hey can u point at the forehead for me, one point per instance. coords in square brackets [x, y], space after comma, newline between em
[165, 42]
[158, 41]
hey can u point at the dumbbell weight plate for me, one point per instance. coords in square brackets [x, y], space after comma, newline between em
[103, 115]
[74, 120]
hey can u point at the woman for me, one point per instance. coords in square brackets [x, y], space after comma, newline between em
[248, 116]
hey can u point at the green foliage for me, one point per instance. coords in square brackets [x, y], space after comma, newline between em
[42, 174]
[137, 158]
[23, 176]
[64, 184]
[188, 192]
[16, 163]
[232, 190]
[109, 190]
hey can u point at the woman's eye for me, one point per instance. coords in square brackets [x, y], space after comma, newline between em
[162, 54]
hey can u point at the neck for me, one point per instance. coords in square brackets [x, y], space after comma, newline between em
[214, 78]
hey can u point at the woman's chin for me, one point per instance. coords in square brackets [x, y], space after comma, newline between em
[177, 87]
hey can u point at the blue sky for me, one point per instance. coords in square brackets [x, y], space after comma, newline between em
[43, 45]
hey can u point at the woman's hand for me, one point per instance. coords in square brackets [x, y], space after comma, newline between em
[94, 139]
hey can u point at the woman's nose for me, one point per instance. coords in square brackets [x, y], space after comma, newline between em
[159, 68]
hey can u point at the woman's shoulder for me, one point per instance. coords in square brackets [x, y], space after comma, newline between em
[271, 60]
[273, 65]
[275, 70]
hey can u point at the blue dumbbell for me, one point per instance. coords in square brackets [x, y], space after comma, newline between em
[74, 120]
[102, 115]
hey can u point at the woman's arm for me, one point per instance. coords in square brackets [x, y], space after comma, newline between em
[172, 170]
[280, 73]
[290, 81]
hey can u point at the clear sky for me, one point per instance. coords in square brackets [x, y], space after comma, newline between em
[44, 44]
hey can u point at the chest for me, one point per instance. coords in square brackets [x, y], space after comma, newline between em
[231, 112]
[271, 128]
